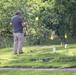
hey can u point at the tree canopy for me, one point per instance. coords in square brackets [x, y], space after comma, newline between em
[42, 16]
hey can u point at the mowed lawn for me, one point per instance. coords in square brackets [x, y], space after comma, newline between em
[40, 56]
[35, 72]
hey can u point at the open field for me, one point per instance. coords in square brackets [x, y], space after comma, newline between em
[40, 56]
[35, 72]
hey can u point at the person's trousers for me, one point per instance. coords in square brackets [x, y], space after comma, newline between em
[18, 42]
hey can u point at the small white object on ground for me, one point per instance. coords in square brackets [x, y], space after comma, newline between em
[54, 49]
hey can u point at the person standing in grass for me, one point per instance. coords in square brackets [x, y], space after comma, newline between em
[17, 23]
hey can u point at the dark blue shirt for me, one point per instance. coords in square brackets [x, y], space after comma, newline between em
[16, 23]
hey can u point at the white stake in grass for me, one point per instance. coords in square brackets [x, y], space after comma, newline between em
[54, 49]
[65, 45]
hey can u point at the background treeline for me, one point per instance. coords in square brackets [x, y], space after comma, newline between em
[44, 17]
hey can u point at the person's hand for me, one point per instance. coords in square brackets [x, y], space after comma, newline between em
[24, 24]
[10, 23]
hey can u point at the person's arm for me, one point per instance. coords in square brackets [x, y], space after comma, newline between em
[11, 24]
[24, 24]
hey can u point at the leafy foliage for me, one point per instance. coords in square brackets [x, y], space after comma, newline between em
[58, 15]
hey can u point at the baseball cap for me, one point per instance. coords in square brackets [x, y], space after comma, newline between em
[18, 12]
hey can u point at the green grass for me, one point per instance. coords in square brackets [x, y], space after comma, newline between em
[35, 72]
[33, 57]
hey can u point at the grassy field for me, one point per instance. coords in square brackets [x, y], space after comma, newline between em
[35, 72]
[40, 56]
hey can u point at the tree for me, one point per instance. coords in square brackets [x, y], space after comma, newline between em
[58, 15]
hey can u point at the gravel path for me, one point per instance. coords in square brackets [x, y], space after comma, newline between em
[51, 69]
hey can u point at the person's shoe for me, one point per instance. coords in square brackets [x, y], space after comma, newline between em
[21, 52]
